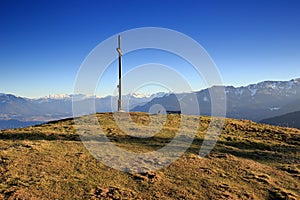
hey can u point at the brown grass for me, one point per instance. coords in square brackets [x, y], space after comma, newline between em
[250, 161]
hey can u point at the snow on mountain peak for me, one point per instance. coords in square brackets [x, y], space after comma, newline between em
[147, 96]
[58, 96]
[136, 95]
[297, 80]
[253, 89]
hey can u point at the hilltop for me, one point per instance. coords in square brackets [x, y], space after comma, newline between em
[249, 161]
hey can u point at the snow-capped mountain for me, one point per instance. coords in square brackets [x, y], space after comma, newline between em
[63, 97]
[58, 96]
[137, 95]
[281, 88]
[254, 102]
[148, 96]
[23, 111]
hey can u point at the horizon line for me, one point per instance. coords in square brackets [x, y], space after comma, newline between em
[148, 94]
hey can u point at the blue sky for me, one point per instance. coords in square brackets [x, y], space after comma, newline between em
[43, 43]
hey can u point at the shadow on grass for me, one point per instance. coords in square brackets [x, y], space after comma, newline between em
[258, 151]
[38, 136]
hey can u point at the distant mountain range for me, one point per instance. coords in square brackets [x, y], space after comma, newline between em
[254, 102]
[20, 112]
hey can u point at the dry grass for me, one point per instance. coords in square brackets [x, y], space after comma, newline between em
[250, 161]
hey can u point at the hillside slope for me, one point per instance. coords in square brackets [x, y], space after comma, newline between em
[288, 120]
[250, 161]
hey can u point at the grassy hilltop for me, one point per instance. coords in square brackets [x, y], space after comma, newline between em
[250, 161]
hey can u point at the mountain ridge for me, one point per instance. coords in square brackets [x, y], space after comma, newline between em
[53, 107]
[255, 102]
[286, 120]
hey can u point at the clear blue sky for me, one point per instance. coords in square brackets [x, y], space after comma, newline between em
[43, 43]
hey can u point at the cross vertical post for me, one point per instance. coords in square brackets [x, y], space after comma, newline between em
[120, 74]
